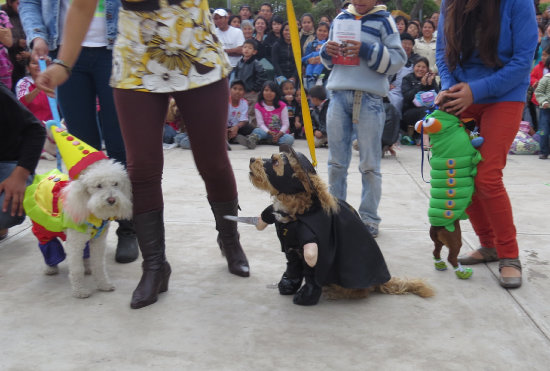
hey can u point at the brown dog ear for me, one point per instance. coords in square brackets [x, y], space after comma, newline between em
[300, 158]
[302, 161]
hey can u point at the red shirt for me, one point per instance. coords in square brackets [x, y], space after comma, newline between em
[39, 106]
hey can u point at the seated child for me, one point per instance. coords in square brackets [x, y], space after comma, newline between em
[36, 101]
[294, 109]
[319, 102]
[315, 68]
[237, 119]
[272, 118]
[174, 128]
[252, 74]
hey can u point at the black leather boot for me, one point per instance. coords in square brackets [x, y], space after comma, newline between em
[127, 246]
[292, 278]
[311, 292]
[228, 237]
[156, 270]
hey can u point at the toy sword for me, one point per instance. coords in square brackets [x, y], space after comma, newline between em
[243, 219]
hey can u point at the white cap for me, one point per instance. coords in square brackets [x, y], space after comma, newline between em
[220, 12]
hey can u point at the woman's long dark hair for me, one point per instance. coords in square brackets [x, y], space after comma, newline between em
[463, 33]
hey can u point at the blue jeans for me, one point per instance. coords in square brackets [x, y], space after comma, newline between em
[77, 99]
[6, 220]
[264, 136]
[169, 134]
[544, 126]
[340, 130]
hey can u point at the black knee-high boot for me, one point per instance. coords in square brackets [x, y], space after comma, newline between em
[156, 270]
[228, 237]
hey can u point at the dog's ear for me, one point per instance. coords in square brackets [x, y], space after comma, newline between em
[75, 201]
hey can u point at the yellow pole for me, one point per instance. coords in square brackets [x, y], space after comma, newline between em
[296, 50]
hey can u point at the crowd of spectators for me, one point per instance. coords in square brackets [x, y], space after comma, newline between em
[258, 45]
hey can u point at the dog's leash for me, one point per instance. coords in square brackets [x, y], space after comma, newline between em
[55, 113]
[422, 145]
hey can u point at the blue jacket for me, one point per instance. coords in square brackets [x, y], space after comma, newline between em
[516, 48]
[40, 18]
[381, 54]
[313, 69]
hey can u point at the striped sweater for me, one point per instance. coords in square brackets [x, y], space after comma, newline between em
[381, 54]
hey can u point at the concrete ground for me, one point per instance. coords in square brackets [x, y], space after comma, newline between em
[212, 320]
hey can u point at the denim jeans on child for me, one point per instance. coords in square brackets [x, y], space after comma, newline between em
[340, 130]
[264, 136]
[544, 125]
[6, 220]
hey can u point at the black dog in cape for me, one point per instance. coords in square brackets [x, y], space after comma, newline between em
[323, 238]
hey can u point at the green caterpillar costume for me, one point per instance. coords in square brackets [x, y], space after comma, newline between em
[454, 166]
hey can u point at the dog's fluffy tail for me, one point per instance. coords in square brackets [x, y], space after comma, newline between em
[395, 286]
[400, 286]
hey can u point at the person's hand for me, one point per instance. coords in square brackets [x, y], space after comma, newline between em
[314, 60]
[430, 78]
[5, 35]
[459, 97]
[22, 43]
[48, 80]
[318, 134]
[351, 48]
[424, 80]
[277, 136]
[39, 48]
[232, 132]
[13, 188]
[546, 105]
[22, 56]
[297, 123]
[332, 48]
[441, 98]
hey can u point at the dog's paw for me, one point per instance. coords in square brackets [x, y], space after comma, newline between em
[51, 270]
[107, 286]
[82, 293]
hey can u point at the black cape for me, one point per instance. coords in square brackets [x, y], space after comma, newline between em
[348, 254]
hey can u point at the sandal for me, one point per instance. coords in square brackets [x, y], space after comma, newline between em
[488, 255]
[509, 282]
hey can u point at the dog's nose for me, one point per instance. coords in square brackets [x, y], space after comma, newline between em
[111, 200]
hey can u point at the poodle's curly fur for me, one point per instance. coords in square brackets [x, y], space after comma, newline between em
[102, 190]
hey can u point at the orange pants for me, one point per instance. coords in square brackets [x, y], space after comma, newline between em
[491, 212]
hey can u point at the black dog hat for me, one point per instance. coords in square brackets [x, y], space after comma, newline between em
[288, 183]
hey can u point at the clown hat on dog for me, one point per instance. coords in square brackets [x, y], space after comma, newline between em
[76, 154]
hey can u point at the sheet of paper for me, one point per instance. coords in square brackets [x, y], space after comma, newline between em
[342, 31]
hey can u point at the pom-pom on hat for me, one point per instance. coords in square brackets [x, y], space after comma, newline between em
[76, 154]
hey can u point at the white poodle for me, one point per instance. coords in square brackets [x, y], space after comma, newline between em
[101, 193]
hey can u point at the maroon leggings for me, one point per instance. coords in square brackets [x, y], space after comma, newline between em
[204, 111]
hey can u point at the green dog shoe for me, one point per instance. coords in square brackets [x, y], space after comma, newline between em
[440, 265]
[463, 273]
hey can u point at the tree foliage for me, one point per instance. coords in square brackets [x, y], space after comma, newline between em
[323, 7]
[415, 8]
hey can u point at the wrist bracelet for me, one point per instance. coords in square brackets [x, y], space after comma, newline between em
[63, 64]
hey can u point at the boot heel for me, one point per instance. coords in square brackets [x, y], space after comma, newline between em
[164, 285]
